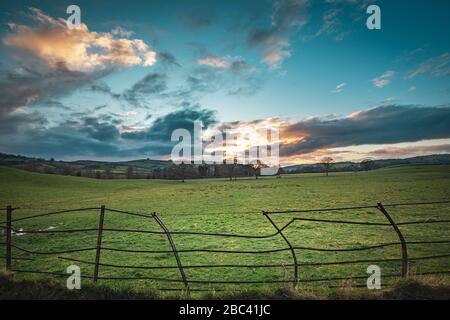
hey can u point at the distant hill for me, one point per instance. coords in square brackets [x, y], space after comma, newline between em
[88, 168]
[134, 169]
[355, 166]
[166, 169]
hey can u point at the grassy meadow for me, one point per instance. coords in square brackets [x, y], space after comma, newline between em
[223, 206]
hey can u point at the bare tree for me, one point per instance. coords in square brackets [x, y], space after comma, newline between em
[280, 171]
[256, 167]
[327, 162]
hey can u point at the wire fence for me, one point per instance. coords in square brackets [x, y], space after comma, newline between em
[10, 228]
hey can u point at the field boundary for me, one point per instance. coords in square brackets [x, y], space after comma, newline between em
[10, 230]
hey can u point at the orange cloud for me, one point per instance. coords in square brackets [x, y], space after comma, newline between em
[78, 49]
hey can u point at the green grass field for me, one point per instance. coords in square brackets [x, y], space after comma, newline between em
[230, 207]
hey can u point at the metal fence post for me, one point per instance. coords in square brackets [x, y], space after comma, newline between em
[8, 237]
[174, 249]
[291, 248]
[401, 238]
[99, 242]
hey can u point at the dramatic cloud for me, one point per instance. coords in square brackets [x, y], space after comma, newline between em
[78, 49]
[436, 67]
[381, 125]
[288, 17]
[55, 61]
[383, 80]
[15, 122]
[103, 136]
[101, 131]
[28, 87]
[162, 128]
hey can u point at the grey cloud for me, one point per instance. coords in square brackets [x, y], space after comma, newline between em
[12, 123]
[101, 131]
[162, 128]
[381, 125]
[436, 67]
[92, 137]
[103, 88]
[288, 17]
[393, 152]
[151, 84]
[168, 58]
[20, 90]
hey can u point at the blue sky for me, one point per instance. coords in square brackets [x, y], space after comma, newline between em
[232, 60]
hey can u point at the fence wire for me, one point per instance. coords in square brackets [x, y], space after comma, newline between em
[9, 230]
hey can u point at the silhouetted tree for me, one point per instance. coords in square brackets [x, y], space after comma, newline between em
[256, 167]
[280, 171]
[327, 162]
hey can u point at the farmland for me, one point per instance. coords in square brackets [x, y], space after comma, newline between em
[231, 207]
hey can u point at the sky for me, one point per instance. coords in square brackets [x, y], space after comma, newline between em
[117, 86]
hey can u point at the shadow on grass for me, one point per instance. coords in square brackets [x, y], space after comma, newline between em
[411, 289]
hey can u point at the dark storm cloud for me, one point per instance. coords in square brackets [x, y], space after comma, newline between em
[381, 125]
[62, 142]
[32, 87]
[163, 127]
[12, 123]
[101, 131]
[88, 136]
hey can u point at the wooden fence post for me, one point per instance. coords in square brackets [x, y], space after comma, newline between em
[401, 238]
[8, 237]
[99, 242]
